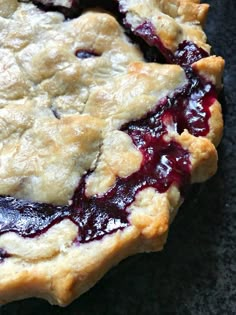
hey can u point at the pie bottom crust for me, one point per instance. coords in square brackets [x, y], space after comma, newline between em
[58, 270]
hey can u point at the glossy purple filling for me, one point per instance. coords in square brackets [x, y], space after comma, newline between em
[3, 255]
[164, 163]
[186, 54]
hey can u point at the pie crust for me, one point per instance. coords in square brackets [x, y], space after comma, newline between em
[62, 117]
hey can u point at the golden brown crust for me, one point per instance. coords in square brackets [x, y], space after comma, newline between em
[203, 156]
[216, 123]
[211, 69]
[42, 76]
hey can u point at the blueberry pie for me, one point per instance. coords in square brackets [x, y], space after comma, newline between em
[108, 112]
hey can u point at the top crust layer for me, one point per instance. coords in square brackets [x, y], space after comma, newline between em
[61, 117]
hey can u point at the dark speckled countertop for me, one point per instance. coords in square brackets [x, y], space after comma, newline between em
[196, 272]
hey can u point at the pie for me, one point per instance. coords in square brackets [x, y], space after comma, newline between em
[108, 112]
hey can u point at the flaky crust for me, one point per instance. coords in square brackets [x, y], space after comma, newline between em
[39, 81]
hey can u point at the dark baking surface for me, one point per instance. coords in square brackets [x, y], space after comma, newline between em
[196, 272]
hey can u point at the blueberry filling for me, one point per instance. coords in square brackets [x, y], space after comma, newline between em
[164, 162]
[84, 54]
[3, 255]
[186, 54]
